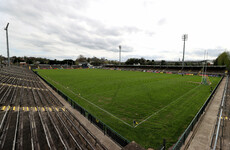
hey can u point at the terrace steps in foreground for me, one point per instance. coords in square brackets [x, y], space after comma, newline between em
[32, 117]
[105, 140]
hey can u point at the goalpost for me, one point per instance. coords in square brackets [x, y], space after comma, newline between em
[205, 80]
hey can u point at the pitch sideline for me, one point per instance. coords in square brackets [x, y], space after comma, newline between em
[166, 106]
[91, 103]
[117, 117]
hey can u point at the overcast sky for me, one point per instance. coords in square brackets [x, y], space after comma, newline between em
[153, 29]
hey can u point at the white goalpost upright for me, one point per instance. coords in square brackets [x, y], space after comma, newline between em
[203, 68]
[204, 79]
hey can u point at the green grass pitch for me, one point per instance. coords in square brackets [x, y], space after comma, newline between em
[162, 104]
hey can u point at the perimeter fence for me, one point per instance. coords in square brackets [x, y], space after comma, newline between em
[183, 137]
[116, 136]
[102, 126]
[219, 131]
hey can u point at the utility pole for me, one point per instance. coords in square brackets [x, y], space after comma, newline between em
[120, 54]
[184, 38]
[7, 44]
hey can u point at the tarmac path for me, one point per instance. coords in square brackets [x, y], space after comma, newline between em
[200, 138]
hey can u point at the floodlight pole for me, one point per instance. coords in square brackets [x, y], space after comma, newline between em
[120, 54]
[7, 44]
[206, 63]
[184, 38]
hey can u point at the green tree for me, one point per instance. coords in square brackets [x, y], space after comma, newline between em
[132, 61]
[142, 61]
[96, 61]
[81, 59]
[163, 62]
[150, 62]
[223, 59]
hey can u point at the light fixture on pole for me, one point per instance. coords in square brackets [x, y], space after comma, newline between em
[184, 38]
[7, 44]
[120, 54]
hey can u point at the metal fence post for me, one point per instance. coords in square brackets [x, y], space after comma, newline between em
[183, 137]
[113, 134]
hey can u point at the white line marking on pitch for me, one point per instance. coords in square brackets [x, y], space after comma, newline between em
[91, 103]
[166, 106]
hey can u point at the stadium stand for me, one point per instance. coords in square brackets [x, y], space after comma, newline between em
[44, 66]
[196, 70]
[31, 117]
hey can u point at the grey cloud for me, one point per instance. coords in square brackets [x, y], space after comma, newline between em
[57, 7]
[39, 43]
[97, 38]
[211, 52]
[100, 29]
[161, 22]
[123, 49]
[61, 19]
[131, 29]
[79, 36]
[20, 9]
[150, 33]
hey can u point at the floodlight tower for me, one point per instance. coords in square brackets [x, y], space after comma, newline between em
[0, 61]
[7, 44]
[184, 38]
[120, 54]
